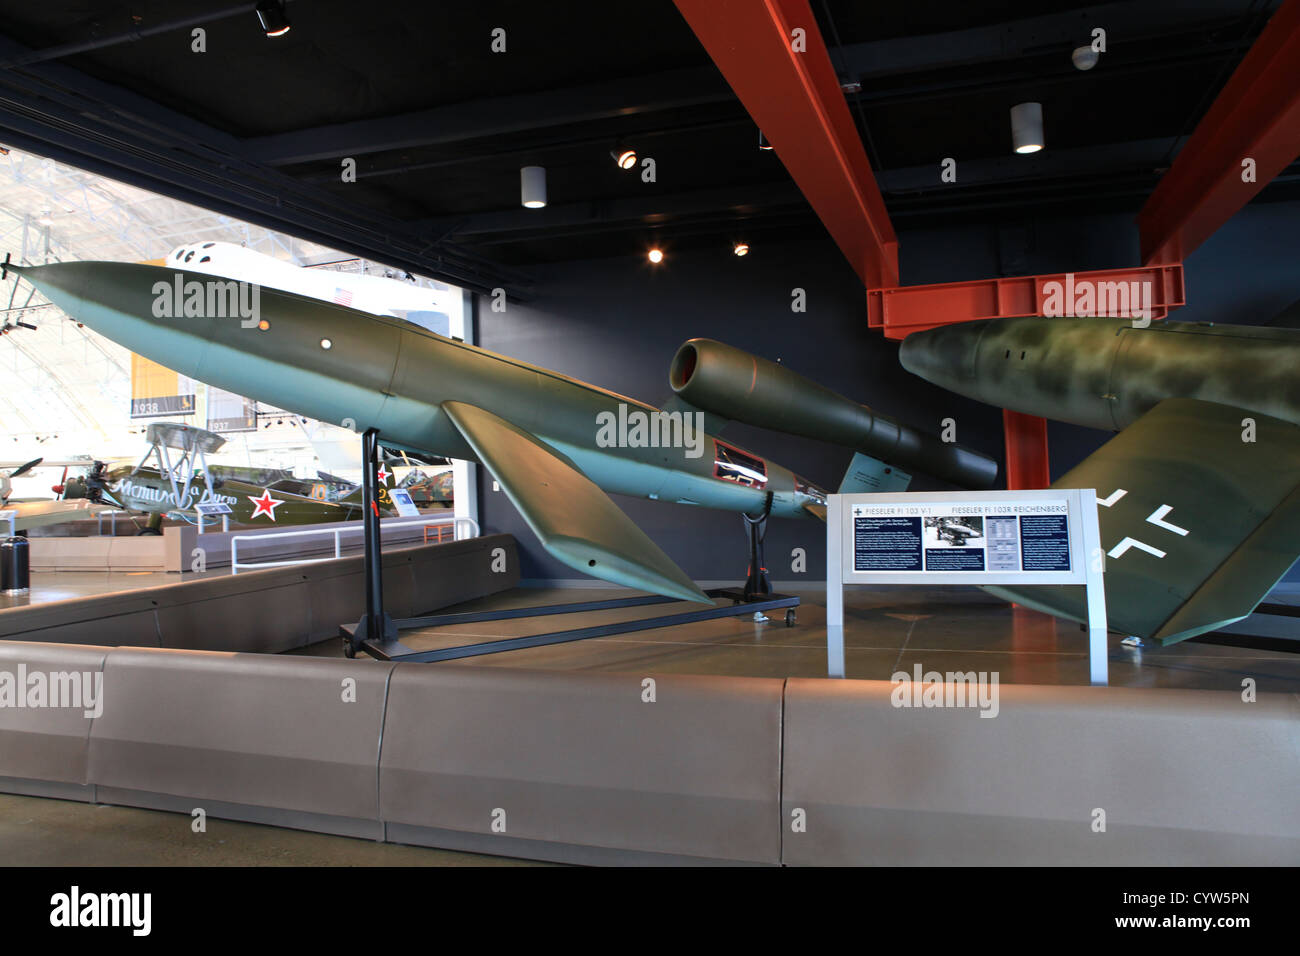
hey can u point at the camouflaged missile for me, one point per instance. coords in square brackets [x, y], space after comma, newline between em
[554, 444]
[1200, 491]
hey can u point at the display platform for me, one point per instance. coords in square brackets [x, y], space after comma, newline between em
[268, 610]
[617, 759]
[886, 630]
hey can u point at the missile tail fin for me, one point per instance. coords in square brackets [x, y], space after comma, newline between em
[574, 520]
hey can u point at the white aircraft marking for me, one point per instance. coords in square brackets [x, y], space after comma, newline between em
[1127, 543]
[1157, 518]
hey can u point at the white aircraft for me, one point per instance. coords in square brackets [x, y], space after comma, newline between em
[35, 512]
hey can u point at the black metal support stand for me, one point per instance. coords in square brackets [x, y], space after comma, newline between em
[757, 585]
[396, 651]
[375, 625]
[754, 598]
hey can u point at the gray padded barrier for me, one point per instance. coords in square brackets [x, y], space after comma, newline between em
[250, 736]
[44, 750]
[579, 768]
[1185, 777]
[272, 610]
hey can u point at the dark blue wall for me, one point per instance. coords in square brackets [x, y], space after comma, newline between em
[616, 322]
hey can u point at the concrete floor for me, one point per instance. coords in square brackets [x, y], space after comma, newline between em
[38, 832]
[886, 630]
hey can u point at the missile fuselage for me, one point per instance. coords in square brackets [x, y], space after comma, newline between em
[737, 385]
[1107, 372]
[339, 365]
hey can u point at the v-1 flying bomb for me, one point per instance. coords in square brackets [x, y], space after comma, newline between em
[554, 444]
[1200, 491]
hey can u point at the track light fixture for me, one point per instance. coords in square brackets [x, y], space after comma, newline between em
[270, 13]
[741, 249]
[624, 157]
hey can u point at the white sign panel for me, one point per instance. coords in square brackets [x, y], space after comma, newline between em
[1047, 536]
[1012, 540]
[403, 502]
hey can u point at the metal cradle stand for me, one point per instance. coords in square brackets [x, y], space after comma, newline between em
[755, 597]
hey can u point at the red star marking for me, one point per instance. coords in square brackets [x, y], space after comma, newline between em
[382, 475]
[264, 505]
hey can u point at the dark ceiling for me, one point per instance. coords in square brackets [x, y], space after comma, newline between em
[439, 125]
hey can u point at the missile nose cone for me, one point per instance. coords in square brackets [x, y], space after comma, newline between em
[945, 355]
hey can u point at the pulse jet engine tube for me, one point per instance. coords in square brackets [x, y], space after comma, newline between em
[736, 385]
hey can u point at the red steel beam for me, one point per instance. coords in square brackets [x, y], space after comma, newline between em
[1256, 117]
[911, 308]
[1025, 437]
[786, 82]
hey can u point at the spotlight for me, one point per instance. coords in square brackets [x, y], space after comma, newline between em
[762, 141]
[626, 158]
[1027, 127]
[656, 256]
[263, 325]
[742, 249]
[532, 184]
[270, 13]
[326, 344]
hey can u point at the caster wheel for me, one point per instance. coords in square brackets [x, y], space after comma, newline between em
[349, 651]
[790, 618]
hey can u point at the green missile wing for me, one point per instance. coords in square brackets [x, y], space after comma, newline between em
[571, 516]
[1200, 518]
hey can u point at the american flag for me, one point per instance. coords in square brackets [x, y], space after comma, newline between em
[343, 297]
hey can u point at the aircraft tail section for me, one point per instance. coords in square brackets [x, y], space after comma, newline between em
[386, 482]
[866, 474]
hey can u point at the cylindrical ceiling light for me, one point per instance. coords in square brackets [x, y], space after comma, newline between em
[1027, 127]
[532, 183]
[762, 141]
[741, 249]
[626, 158]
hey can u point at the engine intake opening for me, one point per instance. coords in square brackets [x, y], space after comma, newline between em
[683, 367]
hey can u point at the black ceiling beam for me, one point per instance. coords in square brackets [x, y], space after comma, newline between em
[1123, 23]
[1077, 163]
[523, 112]
[499, 116]
[733, 202]
[127, 36]
[59, 112]
[651, 211]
